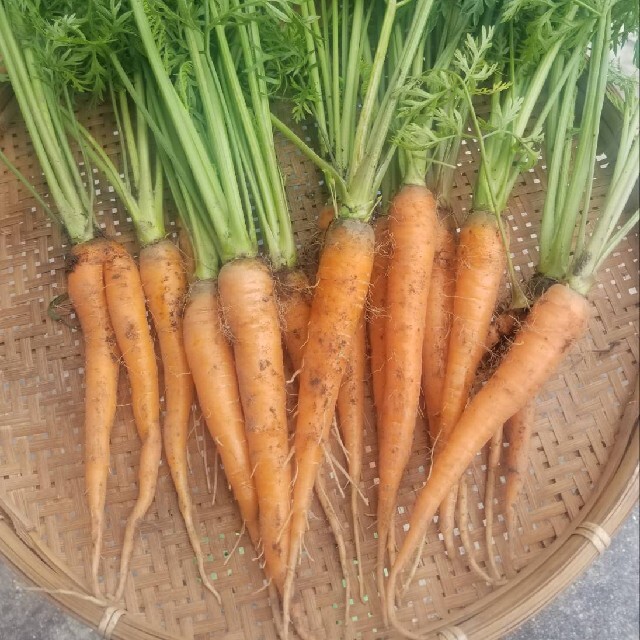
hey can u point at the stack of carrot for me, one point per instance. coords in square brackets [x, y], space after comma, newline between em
[393, 91]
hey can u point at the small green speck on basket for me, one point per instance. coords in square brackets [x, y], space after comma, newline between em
[365, 598]
[354, 618]
[334, 605]
[375, 535]
[344, 583]
[241, 551]
[214, 575]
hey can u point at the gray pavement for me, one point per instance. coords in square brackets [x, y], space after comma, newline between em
[602, 604]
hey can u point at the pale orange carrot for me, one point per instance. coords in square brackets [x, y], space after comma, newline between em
[480, 263]
[518, 429]
[438, 324]
[210, 359]
[85, 285]
[556, 321]
[412, 235]
[128, 313]
[339, 295]
[250, 309]
[165, 286]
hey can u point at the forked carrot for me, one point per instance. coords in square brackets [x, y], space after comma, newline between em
[412, 224]
[250, 310]
[480, 263]
[128, 313]
[211, 362]
[85, 285]
[350, 409]
[342, 282]
[555, 322]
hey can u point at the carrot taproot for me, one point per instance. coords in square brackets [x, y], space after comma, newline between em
[556, 321]
[480, 263]
[412, 224]
[493, 462]
[518, 429]
[342, 282]
[249, 306]
[210, 359]
[128, 313]
[85, 286]
[376, 316]
[164, 282]
[438, 325]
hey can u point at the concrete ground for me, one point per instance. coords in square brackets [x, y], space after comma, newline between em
[604, 603]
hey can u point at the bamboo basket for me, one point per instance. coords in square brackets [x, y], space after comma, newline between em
[582, 479]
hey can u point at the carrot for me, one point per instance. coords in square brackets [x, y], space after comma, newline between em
[165, 286]
[377, 309]
[480, 262]
[518, 429]
[85, 286]
[438, 325]
[125, 299]
[350, 407]
[412, 224]
[249, 307]
[210, 359]
[326, 217]
[493, 461]
[342, 281]
[556, 321]
[294, 296]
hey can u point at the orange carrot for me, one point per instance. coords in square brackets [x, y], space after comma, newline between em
[342, 281]
[480, 263]
[211, 362]
[165, 286]
[412, 224]
[86, 292]
[518, 429]
[294, 296]
[350, 407]
[326, 217]
[556, 321]
[125, 299]
[378, 309]
[438, 325]
[250, 309]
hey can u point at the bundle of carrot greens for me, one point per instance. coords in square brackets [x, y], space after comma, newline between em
[391, 92]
